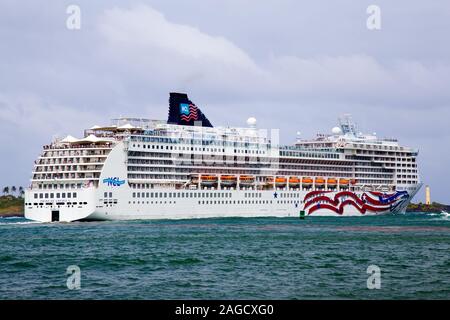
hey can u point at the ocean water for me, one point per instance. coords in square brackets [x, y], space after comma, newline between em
[233, 258]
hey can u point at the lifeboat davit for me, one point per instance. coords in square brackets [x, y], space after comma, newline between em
[208, 180]
[294, 181]
[269, 180]
[194, 178]
[246, 180]
[228, 180]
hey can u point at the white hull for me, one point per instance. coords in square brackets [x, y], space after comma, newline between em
[188, 204]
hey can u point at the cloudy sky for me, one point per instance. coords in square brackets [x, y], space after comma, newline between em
[294, 65]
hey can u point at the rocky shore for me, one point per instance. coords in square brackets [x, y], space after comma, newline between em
[434, 207]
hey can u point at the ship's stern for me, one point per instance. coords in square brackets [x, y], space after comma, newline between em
[63, 205]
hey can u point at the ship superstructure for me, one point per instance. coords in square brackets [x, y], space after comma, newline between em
[186, 168]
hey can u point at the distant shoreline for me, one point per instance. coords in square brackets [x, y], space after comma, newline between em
[11, 206]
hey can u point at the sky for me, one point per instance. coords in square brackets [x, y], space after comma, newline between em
[293, 65]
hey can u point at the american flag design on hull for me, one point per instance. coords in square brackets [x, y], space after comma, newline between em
[368, 202]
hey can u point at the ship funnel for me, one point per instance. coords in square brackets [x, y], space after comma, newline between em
[183, 111]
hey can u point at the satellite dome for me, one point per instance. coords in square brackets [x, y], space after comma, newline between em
[336, 130]
[251, 122]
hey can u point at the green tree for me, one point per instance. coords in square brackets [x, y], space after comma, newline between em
[5, 190]
[21, 192]
[13, 189]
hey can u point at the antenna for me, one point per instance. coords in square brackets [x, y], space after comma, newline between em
[347, 125]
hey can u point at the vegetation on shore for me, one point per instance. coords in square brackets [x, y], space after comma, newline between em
[12, 202]
[11, 206]
[434, 207]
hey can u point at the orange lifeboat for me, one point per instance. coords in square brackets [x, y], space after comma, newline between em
[331, 182]
[343, 182]
[280, 181]
[246, 180]
[352, 181]
[307, 181]
[228, 180]
[208, 179]
[320, 181]
[294, 181]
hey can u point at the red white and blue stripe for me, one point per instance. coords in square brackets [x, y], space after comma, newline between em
[188, 112]
[375, 202]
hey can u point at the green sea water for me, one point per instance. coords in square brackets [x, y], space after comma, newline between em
[232, 258]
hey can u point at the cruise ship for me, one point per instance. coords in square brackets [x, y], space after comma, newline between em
[185, 168]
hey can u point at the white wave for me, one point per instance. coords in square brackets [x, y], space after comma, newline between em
[433, 214]
[20, 222]
[445, 214]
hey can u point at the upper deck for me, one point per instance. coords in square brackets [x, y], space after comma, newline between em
[166, 152]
